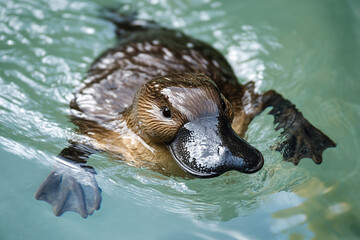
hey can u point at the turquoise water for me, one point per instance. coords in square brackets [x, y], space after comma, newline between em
[309, 51]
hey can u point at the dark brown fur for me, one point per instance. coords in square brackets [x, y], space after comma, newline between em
[108, 105]
[120, 109]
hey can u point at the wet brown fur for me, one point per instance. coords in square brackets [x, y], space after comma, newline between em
[105, 108]
[124, 109]
[116, 109]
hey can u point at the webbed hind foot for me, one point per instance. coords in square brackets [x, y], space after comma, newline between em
[70, 187]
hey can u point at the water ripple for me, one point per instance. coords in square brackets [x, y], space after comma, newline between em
[46, 48]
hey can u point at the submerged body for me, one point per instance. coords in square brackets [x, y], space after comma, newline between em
[168, 102]
[104, 108]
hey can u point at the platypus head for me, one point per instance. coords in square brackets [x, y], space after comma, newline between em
[188, 113]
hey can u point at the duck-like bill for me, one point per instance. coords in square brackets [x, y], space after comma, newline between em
[209, 147]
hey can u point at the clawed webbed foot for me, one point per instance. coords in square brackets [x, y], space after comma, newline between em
[303, 141]
[70, 187]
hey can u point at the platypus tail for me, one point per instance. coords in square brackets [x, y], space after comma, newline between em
[126, 22]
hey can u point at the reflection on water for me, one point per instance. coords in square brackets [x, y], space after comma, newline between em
[324, 218]
[298, 49]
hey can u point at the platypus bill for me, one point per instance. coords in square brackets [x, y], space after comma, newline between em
[168, 102]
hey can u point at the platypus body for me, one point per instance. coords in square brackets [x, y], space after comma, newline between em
[163, 100]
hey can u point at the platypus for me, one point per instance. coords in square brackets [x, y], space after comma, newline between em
[165, 101]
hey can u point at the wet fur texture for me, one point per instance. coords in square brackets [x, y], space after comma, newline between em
[122, 114]
[109, 106]
[120, 110]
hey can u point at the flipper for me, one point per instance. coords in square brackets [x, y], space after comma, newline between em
[299, 138]
[71, 185]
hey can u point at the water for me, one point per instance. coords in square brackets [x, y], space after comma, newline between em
[309, 51]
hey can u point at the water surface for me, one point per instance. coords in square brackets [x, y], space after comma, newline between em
[308, 51]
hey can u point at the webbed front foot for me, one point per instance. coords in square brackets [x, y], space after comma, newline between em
[299, 138]
[71, 187]
[303, 141]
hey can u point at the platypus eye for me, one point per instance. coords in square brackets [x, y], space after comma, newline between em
[223, 105]
[166, 112]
